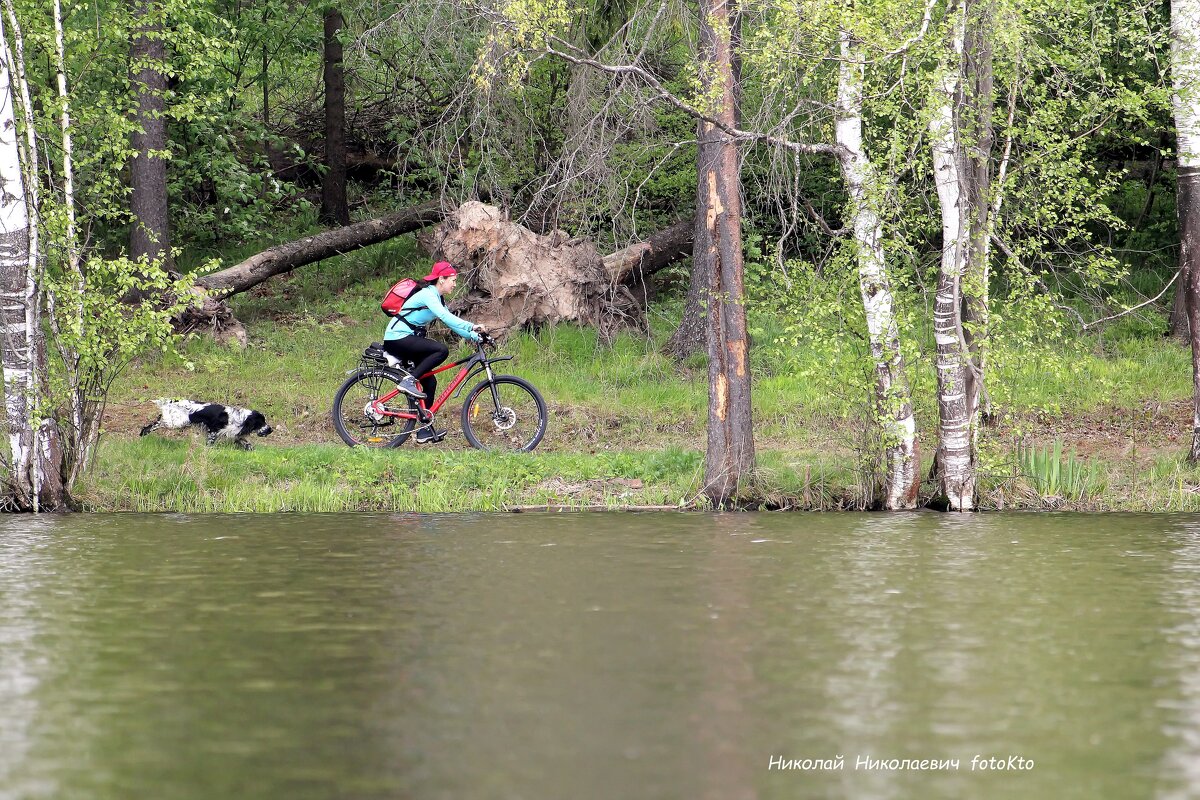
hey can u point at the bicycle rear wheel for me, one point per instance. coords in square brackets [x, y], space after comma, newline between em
[355, 417]
[504, 413]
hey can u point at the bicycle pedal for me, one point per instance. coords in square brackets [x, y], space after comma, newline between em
[434, 439]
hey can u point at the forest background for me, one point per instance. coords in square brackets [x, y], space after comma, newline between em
[936, 248]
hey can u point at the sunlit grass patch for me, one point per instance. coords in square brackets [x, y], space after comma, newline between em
[627, 424]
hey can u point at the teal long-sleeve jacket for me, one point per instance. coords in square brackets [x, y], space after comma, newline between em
[421, 308]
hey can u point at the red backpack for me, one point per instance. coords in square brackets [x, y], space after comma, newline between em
[393, 301]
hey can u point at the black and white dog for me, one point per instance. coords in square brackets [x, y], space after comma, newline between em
[220, 422]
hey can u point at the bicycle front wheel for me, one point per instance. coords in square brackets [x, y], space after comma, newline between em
[357, 418]
[504, 413]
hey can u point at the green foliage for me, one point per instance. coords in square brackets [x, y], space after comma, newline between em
[1052, 475]
[222, 187]
[97, 335]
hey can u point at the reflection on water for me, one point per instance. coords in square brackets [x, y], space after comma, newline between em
[598, 656]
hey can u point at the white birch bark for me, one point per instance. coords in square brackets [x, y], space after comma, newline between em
[81, 441]
[14, 266]
[1185, 69]
[33, 435]
[955, 461]
[28, 160]
[893, 400]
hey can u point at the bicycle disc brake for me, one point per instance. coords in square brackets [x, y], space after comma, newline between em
[504, 418]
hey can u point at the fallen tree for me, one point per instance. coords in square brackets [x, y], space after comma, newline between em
[639, 261]
[338, 241]
[517, 279]
[210, 313]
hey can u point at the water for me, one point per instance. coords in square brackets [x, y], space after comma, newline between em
[598, 656]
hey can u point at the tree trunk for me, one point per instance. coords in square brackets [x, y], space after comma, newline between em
[893, 403]
[717, 256]
[1185, 52]
[150, 236]
[1177, 320]
[688, 338]
[290, 255]
[79, 438]
[513, 277]
[333, 188]
[977, 137]
[35, 479]
[210, 314]
[1189, 215]
[955, 462]
[634, 265]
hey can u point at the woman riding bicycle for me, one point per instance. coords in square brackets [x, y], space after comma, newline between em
[405, 335]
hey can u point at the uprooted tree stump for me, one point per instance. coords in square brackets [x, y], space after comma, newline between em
[517, 279]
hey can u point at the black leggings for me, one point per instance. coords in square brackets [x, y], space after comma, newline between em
[425, 353]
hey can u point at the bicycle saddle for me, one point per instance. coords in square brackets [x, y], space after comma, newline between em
[375, 352]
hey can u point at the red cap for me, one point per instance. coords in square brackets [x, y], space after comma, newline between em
[442, 269]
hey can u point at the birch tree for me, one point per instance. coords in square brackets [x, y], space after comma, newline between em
[1185, 65]
[955, 459]
[893, 403]
[960, 130]
[34, 479]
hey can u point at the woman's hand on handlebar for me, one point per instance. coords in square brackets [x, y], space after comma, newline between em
[484, 336]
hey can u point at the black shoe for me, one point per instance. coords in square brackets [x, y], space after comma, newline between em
[410, 388]
[430, 435]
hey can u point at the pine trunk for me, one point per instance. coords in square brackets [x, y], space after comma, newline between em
[150, 236]
[333, 190]
[1177, 320]
[893, 403]
[717, 254]
[688, 338]
[1185, 52]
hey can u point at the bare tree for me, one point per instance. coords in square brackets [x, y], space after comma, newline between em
[717, 258]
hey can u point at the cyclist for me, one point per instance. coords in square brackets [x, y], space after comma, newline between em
[405, 335]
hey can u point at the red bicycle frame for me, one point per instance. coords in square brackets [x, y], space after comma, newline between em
[426, 413]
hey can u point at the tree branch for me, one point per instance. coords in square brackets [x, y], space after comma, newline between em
[571, 54]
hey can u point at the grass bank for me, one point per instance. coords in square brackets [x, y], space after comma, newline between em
[627, 425]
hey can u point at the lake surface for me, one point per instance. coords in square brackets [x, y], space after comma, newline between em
[599, 656]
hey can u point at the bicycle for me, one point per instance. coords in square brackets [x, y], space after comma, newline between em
[503, 412]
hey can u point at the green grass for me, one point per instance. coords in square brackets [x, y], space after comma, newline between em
[627, 424]
[155, 473]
